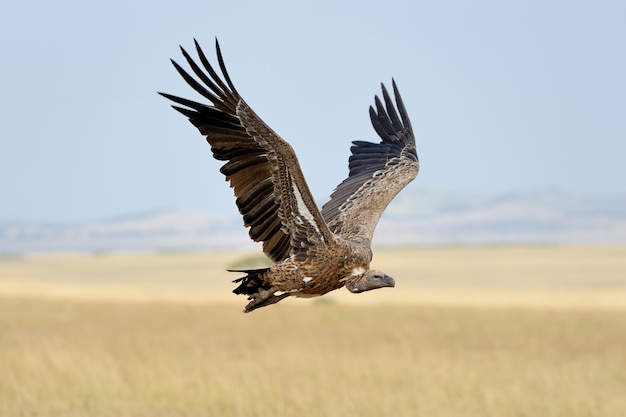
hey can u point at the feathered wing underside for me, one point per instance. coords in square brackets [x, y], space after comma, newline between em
[377, 172]
[271, 193]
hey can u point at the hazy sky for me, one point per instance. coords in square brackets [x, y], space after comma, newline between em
[504, 96]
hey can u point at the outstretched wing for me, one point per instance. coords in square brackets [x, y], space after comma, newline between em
[378, 171]
[272, 195]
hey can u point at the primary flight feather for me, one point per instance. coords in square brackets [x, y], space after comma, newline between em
[313, 251]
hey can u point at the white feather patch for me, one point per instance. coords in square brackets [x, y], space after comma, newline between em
[302, 208]
[307, 279]
[357, 271]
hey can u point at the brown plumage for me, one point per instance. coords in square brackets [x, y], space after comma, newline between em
[313, 251]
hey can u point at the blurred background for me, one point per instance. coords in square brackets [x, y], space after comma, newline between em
[509, 250]
[518, 108]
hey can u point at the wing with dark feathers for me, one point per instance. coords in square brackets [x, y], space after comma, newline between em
[270, 190]
[377, 172]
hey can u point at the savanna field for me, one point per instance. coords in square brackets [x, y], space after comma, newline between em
[468, 331]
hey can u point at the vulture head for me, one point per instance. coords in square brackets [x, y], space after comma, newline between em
[370, 280]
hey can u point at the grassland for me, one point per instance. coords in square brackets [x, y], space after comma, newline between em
[514, 331]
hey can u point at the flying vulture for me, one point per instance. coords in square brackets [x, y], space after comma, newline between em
[313, 251]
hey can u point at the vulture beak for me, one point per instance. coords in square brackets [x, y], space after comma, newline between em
[389, 281]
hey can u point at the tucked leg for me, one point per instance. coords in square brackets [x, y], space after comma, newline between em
[264, 298]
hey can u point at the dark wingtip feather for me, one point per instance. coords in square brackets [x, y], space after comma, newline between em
[374, 120]
[196, 44]
[193, 83]
[220, 61]
[390, 119]
[382, 123]
[185, 112]
[391, 110]
[400, 105]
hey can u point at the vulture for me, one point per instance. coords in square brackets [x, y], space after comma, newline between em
[313, 251]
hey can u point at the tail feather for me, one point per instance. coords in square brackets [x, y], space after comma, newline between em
[252, 282]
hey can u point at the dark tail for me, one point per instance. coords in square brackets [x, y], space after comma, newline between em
[252, 282]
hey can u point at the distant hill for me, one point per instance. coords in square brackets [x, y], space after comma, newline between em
[416, 217]
[531, 217]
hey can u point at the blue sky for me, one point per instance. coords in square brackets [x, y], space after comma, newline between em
[504, 96]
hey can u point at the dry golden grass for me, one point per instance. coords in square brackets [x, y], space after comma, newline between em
[74, 358]
[483, 275]
[74, 341]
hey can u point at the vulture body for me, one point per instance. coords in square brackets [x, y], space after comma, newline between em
[314, 251]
